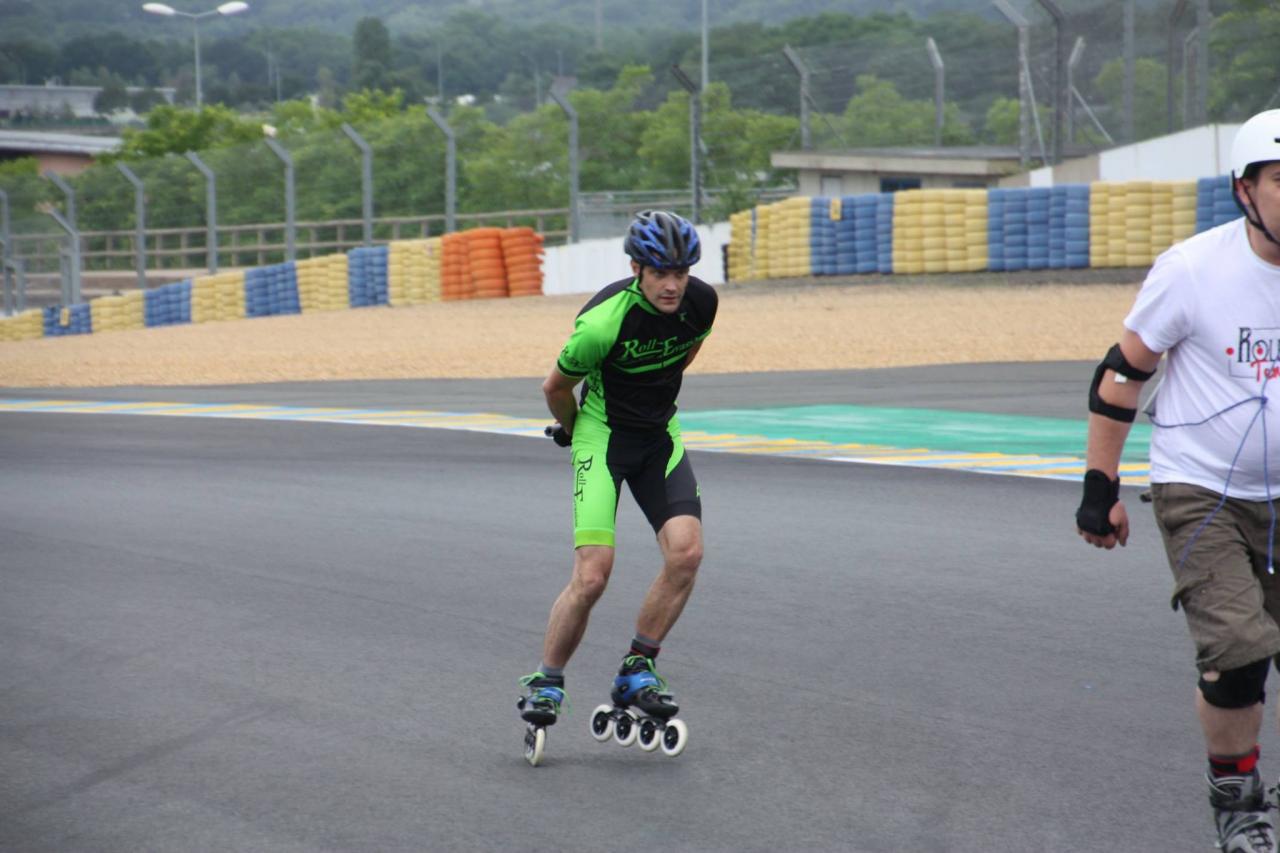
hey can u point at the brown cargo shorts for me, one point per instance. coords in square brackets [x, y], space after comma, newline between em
[1231, 601]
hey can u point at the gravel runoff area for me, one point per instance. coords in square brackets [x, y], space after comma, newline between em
[811, 324]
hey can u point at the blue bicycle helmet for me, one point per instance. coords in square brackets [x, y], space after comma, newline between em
[662, 240]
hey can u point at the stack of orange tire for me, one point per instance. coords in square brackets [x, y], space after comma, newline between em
[488, 271]
[455, 267]
[522, 254]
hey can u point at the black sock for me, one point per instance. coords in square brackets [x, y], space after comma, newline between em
[645, 647]
[1234, 765]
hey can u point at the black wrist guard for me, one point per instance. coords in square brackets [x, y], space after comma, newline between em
[1101, 493]
[557, 434]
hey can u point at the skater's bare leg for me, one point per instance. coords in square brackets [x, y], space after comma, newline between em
[681, 542]
[592, 565]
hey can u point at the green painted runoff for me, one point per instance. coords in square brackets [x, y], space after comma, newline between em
[934, 429]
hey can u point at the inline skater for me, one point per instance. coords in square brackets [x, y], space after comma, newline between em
[630, 346]
[1212, 303]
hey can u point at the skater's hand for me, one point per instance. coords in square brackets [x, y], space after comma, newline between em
[1118, 518]
[556, 433]
[1101, 519]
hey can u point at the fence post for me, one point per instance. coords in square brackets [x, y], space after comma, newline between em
[1024, 121]
[71, 273]
[1059, 73]
[290, 225]
[450, 168]
[140, 223]
[695, 139]
[366, 181]
[939, 89]
[1178, 9]
[803, 70]
[572, 114]
[6, 252]
[211, 211]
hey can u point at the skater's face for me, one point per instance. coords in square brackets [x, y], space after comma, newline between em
[1262, 194]
[663, 288]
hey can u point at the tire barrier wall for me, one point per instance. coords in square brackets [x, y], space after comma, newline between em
[480, 263]
[413, 271]
[1073, 226]
[323, 283]
[167, 305]
[72, 320]
[271, 291]
[1214, 203]
[118, 313]
[219, 297]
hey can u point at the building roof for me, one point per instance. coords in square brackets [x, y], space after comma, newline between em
[34, 141]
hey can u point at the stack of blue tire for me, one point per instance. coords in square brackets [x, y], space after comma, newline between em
[79, 321]
[822, 237]
[1016, 234]
[1039, 200]
[884, 233]
[847, 236]
[367, 276]
[995, 229]
[1058, 227]
[271, 290]
[865, 231]
[1214, 203]
[168, 305]
[1076, 225]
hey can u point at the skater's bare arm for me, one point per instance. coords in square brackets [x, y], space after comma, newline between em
[1107, 436]
[558, 389]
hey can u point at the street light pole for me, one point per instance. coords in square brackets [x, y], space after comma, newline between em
[233, 8]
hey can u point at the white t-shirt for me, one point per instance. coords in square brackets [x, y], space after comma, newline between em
[1214, 306]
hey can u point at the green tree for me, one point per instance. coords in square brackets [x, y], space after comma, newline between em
[1149, 93]
[175, 130]
[372, 61]
[878, 115]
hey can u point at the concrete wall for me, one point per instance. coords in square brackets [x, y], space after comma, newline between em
[589, 265]
[1201, 152]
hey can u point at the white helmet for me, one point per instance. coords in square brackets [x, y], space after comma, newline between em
[1257, 141]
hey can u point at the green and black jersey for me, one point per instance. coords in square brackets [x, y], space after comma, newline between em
[632, 356]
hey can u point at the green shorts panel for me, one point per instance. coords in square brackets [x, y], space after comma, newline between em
[1221, 582]
[652, 463]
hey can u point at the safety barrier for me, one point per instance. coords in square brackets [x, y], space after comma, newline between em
[271, 290]
[323, 283]
[219, 297]
[118, 313]
[1104, 224]
[168, 305]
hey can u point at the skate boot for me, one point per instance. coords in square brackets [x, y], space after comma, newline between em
[642, 711]
[1240, 811]
[539, 708]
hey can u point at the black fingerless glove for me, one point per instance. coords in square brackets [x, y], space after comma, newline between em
[1101, 493]
[559, 436]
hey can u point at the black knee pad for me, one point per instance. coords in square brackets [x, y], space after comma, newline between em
[1239, 687]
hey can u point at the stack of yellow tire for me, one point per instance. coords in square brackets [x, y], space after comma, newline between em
[975, 230]
[1137, 220]
[323, 283]
[798, 214]
[1118, 225]
[22, 327]
[741, 250]
[1161, 216]
[218, 297]
[117, 313]
[909, 214]
[1099, 233]
[767, 251]
[409, 272]
[522, 257]
[1184, 210]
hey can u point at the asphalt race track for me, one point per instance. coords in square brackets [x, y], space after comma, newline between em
[279, 636]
